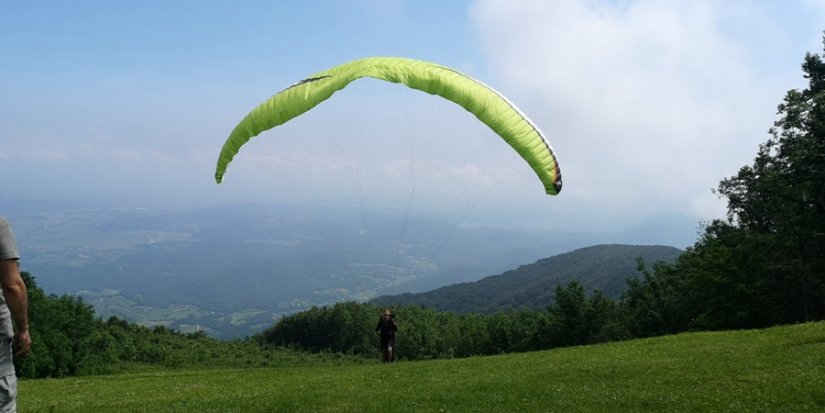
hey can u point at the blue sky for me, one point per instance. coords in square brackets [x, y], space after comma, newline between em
[648, 103]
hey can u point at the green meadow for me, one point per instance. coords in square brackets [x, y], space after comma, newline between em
[780, 369]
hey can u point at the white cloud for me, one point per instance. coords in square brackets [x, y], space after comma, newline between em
[476, 174]
[647, 102]
[400, 168]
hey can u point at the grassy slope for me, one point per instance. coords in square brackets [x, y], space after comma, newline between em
[780, 369]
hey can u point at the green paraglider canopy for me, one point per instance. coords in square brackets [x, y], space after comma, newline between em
[488, 105]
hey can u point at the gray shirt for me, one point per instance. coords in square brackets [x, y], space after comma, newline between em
[8, 251]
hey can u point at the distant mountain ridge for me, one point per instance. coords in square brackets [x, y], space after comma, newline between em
[232, 270]
[601, 267]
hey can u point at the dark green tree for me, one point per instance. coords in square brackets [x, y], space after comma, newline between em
[765, 263]
[779, 202]
[60, 326]
[570, 315]
[606, 319]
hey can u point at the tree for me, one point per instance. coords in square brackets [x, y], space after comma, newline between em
[569, 312]
[59, 327]
[764, 264]
[780, 202]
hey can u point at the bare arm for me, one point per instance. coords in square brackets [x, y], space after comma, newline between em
[14, 290]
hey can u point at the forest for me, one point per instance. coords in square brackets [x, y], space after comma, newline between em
[762, 265]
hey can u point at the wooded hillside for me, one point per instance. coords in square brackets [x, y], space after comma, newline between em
[604, 268]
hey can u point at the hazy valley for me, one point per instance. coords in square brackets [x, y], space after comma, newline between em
[234, 270]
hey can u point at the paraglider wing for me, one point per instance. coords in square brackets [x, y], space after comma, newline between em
[489, 106]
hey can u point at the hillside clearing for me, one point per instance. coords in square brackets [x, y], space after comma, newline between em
[776, 369]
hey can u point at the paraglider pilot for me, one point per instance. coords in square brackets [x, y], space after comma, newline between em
[387, 328]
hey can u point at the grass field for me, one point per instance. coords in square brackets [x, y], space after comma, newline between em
[779, 369]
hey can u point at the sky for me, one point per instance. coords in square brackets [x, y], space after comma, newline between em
[648, 103]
